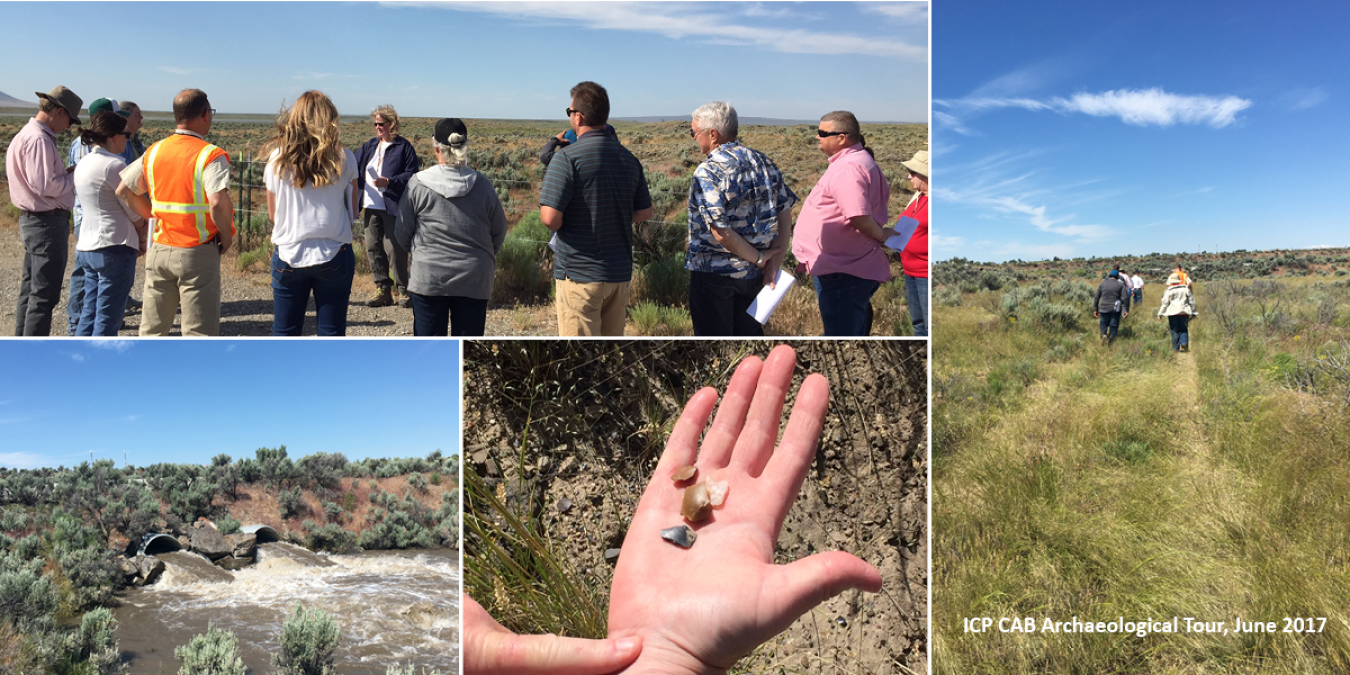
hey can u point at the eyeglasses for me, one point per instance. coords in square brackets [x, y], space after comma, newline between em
[694, 134]
[381, 124]
[213, 112]
[126, 135]
[826, 134]
[571, 112]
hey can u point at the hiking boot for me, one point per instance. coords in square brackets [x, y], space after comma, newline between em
[384, 298]
[1103, 339]
[405, 300]
[133, 306]
[1185, 348]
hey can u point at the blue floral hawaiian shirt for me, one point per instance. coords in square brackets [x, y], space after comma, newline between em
[739, 188]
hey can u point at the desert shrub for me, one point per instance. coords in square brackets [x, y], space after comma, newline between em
[349, 501]
[435, 478]
[523, 264]
[409, 670]
[395, 529]
[652, 319]
[290, 502]
[946, 296]
[991, 280]
[227, 524]
[332, 512]
[417, 482]
[28, 600]
[215, 652]
[309, 637]
[330, 537]
[663, 281]
[92, 576]
[94, 651]
[321, 470]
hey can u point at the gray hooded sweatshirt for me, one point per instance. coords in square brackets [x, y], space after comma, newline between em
[452, 225]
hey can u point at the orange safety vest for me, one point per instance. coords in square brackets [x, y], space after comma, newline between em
[173, 174]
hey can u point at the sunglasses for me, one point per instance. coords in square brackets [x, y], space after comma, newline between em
[571, 112]
[694, 134]
[126, 135]
[826, 134]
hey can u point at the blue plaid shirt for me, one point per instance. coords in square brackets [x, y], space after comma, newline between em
[736, 188]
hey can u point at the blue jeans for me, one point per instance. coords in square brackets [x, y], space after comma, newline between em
[1138, 296]
[1177, 324]
[75, 296]
[916, 293]
[108, 274]
[845, 304]
[718, 304]
[436, 314]
[331, 283]
[1110, 323]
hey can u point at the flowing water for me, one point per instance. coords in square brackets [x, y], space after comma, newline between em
[391, 607]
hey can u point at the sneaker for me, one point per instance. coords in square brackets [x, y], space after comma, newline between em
[384, 298]
[1185, 348]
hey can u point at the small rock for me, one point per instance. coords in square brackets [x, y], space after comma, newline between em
[230, 562]
[150, 569]
[611, 555]
[841, 621]
[566, 465]
[564, 505]
[680, 535]
[597, 500]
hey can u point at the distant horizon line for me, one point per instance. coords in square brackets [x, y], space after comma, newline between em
[1146, 255]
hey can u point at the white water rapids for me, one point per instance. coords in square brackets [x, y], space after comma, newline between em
[391, 607]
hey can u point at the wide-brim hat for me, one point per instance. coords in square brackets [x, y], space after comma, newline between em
[1175, 280]
[66, 99]
[918, 164]
[448, 127]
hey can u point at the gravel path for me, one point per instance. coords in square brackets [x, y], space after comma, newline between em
[246, 302]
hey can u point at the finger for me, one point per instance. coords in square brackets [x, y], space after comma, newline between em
[682, 447]
[801, 585]
[789, 464]
[721, 438]
[507, 654]
[755, 444]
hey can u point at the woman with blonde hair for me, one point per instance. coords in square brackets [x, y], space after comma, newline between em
[311, 198]
[1178, 305]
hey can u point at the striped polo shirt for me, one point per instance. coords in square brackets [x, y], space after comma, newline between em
[597, 184]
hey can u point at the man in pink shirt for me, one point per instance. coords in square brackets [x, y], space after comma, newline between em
[43, 189]
[839, 236]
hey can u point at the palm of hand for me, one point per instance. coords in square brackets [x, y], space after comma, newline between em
[701, 609]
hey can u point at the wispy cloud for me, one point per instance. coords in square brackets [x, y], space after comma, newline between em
[1140, 107]
[230, 348]
[903, 12]
[119, 346]
[78, 358]
[175, 70]
[704, 22]
[21, 460]
[131, 418]
[1303, 98]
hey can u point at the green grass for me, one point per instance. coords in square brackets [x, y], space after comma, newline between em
[1072, 479]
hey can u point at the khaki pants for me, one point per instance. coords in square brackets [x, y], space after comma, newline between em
[189, 275]
[588, 310]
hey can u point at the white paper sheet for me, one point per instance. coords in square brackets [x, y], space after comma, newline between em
[767, 301]
[904, 229]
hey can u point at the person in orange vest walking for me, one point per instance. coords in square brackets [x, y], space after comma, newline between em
[183, 182]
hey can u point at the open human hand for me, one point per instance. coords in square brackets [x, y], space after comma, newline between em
[491, 649]
[699, 610]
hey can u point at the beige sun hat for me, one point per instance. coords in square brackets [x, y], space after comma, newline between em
[66, 99]
[919, 163]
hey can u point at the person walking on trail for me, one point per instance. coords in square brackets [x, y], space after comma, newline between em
[1137, 282]
[184, 183]
[386, 162]
[1181, 273]
[43, 189]
[1111, 303]
[1178, 305]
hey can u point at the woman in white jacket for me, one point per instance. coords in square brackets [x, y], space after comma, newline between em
[1178, 305]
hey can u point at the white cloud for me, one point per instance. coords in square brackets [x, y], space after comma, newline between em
[114, 345]
[131, 418]
[951, 123]
[1140, 107]
[175, 71]
[1303, 98]
[78, 358]
[21, 460]
[230, 348]
[904, 12]
[696, 21]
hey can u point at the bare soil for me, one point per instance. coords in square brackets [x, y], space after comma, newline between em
[584, 422]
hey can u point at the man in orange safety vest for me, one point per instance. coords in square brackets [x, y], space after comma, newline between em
[183, 183]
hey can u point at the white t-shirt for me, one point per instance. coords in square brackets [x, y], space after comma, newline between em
[311, 223]
[107, 221]
[373, 197]
[1138, 282]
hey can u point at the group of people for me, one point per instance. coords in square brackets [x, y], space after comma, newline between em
[740, 224]
[435, 233]
[1117, 291]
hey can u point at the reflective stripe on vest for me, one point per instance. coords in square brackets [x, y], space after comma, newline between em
[198, 209]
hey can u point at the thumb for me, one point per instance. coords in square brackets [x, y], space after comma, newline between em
[509, 654]
[812, 580]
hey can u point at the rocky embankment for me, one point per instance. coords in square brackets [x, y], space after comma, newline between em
[227, 551]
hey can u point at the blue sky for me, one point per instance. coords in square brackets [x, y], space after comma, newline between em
[1090, 129]
[186, 401]
[483, 59]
